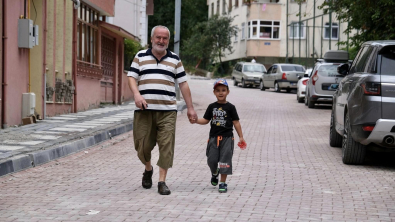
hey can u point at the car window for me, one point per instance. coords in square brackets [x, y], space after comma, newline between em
[360, 66]
[238, 68]
[328, 70]
[254, 68]
[353, 65]
[373, 62]
[269, 70]
[292, 68]
[388, 60]
[274, 70]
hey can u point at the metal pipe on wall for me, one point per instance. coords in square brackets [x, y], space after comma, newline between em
[4, 83]
[44, 105]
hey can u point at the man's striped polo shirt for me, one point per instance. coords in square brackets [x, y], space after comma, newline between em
[156, 78]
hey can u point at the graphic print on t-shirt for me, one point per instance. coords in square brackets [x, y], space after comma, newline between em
[219, 117]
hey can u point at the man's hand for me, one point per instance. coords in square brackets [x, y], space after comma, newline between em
[192, 116]
[140, 102]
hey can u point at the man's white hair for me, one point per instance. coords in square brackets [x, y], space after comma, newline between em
[159, 26]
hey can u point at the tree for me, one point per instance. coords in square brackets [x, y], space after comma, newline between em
[211, 39]
[373, 19]
[192, 12]
[130, 49]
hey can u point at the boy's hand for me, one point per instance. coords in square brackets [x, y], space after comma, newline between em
[242, 144]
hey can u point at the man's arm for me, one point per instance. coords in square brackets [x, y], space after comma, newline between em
[186, 93]
[138, 99]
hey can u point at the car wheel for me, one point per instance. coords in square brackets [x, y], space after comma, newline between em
[335, 139]
[276, 87]
[235, 82]
[352, 151]
[243, 84]
[310, 103]
[261, 86]
[300, 99]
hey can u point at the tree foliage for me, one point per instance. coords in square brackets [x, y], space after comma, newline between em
[373, 19]
[192, 12]
[130, 49]
[212, 39]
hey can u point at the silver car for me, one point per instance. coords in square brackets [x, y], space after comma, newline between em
[282, 76]
[363, 110]
[248, 74]
[319, 87]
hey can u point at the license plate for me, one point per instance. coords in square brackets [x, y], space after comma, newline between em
[293, 84]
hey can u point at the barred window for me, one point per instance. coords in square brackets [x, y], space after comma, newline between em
[87, 34]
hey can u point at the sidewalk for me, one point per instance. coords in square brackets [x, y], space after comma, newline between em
[35, 144]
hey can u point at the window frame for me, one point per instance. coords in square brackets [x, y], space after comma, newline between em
[297, 29]
[87, 34]
[259, 24]
[243, 37]
[334, 26]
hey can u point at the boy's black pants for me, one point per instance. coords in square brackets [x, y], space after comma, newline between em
[220, 151]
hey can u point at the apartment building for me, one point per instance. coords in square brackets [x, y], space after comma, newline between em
[280, 30]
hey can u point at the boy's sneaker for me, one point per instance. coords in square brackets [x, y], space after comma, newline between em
[214, 178]
[223, 188]
[147, 178]
[163, 189]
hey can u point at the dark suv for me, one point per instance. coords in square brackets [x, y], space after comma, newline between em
[363, 111]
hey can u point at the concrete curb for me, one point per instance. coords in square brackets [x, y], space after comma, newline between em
[36, 158]
[25, 161]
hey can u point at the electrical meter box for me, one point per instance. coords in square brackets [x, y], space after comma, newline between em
[26, 38]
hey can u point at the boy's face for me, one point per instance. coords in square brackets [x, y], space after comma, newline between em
[221, 92]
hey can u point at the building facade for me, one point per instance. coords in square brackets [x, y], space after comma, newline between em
[75, 62]
[280, 30]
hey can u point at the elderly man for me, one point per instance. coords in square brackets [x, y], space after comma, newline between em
[152, 78]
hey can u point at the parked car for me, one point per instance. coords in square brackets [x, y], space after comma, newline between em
[282, 76]
[301, 86]
[363, 110]
[247, 73]
[324, 75]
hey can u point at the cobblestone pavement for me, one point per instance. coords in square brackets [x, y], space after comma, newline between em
[287, 173]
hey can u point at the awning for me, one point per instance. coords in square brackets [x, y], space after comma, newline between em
[118, 30]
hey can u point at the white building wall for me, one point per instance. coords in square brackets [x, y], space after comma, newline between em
[131, 16]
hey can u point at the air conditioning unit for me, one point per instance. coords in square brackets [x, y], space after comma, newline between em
[28, 104]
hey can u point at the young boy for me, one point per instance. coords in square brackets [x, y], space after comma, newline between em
[223, 116]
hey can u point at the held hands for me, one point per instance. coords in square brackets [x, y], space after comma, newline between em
[192, 116]
[242, 144]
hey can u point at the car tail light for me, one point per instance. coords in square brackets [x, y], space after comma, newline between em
[284, 76]
[304, 82]
[371, 88]
[315, 77]
[368, 128]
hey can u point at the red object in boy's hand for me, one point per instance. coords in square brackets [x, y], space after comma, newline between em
[242, 145]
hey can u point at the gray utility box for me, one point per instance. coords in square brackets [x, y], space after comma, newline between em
[27, 34]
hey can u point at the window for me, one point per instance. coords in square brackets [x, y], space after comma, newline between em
[303, 1]
[223, 6]
[243, 31]
[87, 34]
[217, 7]
[292, 68]
[388, 60]
[254, 68]
[335, 31]
[212, 9]
[297, 30]
[236, 3]
[230, 6]
[261, 29]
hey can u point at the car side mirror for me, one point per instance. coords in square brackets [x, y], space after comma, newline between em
[264, 72]
[306, 75]
[299, 77]
[343, 69]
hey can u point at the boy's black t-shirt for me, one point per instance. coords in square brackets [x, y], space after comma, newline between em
[221, 118]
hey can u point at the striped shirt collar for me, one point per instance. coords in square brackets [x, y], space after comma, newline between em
[168, 54]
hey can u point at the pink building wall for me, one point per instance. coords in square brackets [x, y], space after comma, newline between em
[88, 93]
[16, 65]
